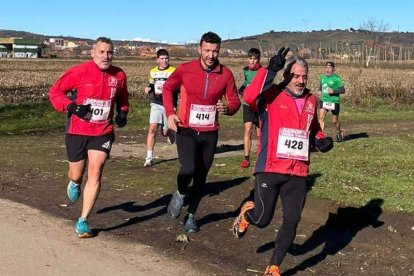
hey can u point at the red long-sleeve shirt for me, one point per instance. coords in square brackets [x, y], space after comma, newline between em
[278, 110]
[101, 89]
[200, 90]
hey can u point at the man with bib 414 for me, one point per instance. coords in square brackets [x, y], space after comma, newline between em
[289, 129]
[331, 87]
[203, 83]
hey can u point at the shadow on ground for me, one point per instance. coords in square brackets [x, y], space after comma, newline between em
[338, 231]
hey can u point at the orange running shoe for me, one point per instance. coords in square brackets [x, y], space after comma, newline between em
[240, 224]
[272, 270]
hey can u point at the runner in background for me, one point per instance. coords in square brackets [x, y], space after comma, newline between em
[207, 90]
[289, 128]
[158, 76]
[99, 88]
[250, 117]
[331, 87]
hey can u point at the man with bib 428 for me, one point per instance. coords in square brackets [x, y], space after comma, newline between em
[289, 129]
[331, 87]
[97, 88]
[202, 82]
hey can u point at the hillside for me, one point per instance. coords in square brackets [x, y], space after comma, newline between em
[273, 39]
[320, 38]
[42, 37]
[344, 44]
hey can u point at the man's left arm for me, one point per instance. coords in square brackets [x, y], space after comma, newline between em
[122, 104]
[341, 89]
[319, 140]
[232, 98]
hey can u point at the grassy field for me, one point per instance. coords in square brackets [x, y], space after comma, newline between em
[353, 172]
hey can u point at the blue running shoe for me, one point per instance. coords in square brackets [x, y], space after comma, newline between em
[82, 228]
[74, 191]
[190, 225]
[174, 207]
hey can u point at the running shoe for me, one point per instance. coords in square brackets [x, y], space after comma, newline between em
[73, 191]
[340, 137]
[240, 224]
[171, 137]
[245, 164]
[272, 270]
[148, 162]
[174, 208]
[82, 228]
[190, 225]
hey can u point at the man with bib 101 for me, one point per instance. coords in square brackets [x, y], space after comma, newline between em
[289, 129]
[202, 82]
[97, 90]
[330, 89]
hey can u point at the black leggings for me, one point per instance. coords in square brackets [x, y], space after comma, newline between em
[196, 154]
[292, 190]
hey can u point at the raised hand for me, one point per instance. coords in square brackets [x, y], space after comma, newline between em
[277, 62]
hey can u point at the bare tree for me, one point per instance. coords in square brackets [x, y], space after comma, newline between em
[374, 28]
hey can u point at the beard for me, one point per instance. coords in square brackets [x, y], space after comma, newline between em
[298, 92]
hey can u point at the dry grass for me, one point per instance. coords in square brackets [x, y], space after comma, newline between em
[29, 80]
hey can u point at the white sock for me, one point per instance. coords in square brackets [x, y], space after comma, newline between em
[74, 183]
[149, 154]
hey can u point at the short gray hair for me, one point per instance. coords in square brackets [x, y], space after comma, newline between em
[104, 40]
[289, 63]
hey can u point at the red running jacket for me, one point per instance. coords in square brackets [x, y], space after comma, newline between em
[277, 109]
[101, 89]
[200, 90]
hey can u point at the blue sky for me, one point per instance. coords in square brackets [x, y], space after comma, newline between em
[183, 21]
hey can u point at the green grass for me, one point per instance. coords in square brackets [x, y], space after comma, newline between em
[362, 169]
[24, 118]
[354, 172]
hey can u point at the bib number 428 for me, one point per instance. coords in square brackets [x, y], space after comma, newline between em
[294, 144]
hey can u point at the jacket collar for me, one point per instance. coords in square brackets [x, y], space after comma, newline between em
[216, 69]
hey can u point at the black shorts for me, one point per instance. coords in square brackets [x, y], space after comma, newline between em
[249, 115]
[334, 111]
[77, 146]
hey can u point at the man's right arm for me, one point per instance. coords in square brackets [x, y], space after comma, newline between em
[171, 86]
[58, 92]
[260, 83]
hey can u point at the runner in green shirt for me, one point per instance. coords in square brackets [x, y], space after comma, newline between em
[250, 117]
[330, 89]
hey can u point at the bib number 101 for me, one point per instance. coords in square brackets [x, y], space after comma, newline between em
[97, 111]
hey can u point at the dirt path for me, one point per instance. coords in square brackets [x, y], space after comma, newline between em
[135, 233]
[33, 243]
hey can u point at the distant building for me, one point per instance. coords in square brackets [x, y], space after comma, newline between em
[71, 44]
[57, 41]
[19, 48]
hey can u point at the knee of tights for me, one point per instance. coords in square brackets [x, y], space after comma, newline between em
[262, 223]
[187, 172]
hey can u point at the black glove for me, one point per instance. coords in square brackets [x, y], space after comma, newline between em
[277, 62]
[79, 110]
[324, 144]
[121, 118]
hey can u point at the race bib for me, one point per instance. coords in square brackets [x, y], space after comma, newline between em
[328, 106]
[293, 144]
[99, 109]
[158, 86]
[202, 115]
